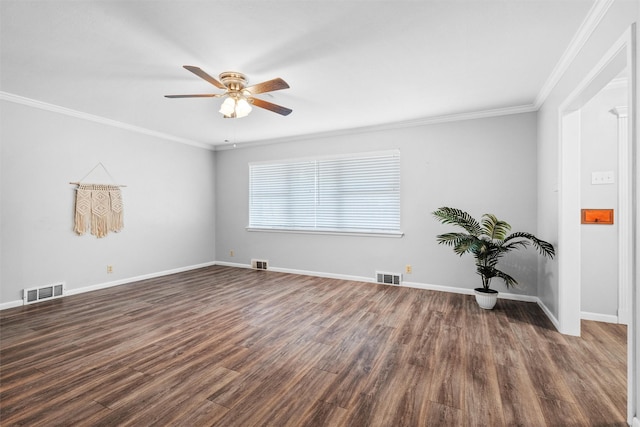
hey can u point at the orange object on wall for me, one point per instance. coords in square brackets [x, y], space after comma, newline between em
[597, 216]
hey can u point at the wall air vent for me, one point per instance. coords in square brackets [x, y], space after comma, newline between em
[48, 292]
[259, 264]
[388, 278]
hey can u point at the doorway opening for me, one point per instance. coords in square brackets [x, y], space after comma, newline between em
[617, 63]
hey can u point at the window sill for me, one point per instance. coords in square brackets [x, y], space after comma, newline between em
[371, 233]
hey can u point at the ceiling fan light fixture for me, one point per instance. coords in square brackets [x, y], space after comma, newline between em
[228, 107]
[235, 107]
[243, 108]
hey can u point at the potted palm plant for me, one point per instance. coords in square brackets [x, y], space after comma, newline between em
[487, 240]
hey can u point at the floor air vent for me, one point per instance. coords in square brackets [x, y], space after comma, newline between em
[44, 293]
[388, 278]
[259, 264]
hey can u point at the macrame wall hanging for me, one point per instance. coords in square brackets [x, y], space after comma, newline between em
[98, 206]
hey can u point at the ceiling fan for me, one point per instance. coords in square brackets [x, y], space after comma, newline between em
[239, 95]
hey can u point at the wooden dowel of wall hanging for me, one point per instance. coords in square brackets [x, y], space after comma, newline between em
[86, 183]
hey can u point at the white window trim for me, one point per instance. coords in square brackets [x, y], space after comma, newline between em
[329, 232]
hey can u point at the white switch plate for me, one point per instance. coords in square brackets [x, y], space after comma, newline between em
[600, 178]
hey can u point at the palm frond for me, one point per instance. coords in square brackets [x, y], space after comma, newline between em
[508, 280]
[459, 218]
[545, 248]
[495, 228]
[515, 244]
[482, 248]
[461, 242]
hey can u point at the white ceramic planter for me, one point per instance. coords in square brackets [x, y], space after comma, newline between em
[486, 300]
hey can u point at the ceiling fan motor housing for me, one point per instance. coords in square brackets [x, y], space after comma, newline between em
[233, 80]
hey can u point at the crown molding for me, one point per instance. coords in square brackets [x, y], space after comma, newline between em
[98, 119]
[621, 112]
[617, 83]
[350, 131]
[386, 126]
[588, 26]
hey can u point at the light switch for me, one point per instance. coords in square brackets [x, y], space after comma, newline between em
[608, 177]
[599, 178]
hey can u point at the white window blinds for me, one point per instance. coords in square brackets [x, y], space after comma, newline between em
[356, 193]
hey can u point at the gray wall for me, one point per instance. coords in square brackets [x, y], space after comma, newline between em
[168, 202]
[484, 165]
[599, 243]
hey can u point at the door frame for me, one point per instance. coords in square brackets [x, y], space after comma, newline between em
[620, 56]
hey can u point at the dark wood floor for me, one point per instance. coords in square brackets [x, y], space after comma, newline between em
[233, 347]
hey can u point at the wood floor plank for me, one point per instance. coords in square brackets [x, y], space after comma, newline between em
[505, 341]
[44, 399]
[225, 347]
[322, 413]
[183, 397]
[562, 413]
[401, 401]
[604, 342]
[610, 381]
[439, 415]
[353, 380]
[542, 368]
[447, 384]
[597, 405]
[16, 376]
[520, 404]
[481, 380]
[299, 398]
[77, 411]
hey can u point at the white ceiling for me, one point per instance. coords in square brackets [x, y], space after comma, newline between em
[350, 64]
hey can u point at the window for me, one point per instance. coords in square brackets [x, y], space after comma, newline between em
[350, 194]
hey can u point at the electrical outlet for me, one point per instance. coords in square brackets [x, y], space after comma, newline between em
[231, 253]
[408, 269]
[109, 269]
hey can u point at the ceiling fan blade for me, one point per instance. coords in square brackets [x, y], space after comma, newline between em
[205, 95]
[268, 86]
[198, 72]
[271, 107]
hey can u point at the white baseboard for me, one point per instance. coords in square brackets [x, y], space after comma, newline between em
[302, 272]
[467, 291]
[518, 297]
[11, 304]
[440, 288]
[98, 286]
[138, 278]
[607, 318]
[550, 315]
[636, 422]
[232, 264]
[322, 274]
[426, 286]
